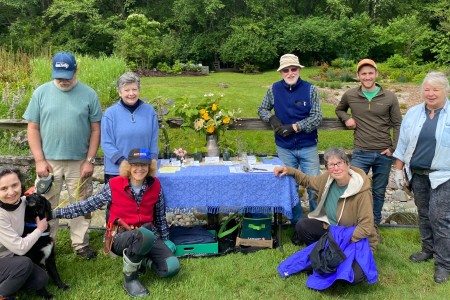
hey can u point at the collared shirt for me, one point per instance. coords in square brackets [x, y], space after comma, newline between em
[308, 124]
[103, 197]
[409, 134]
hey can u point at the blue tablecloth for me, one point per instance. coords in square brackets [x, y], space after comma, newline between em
[214, 189]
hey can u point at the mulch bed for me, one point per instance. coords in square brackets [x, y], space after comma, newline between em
[156, 73]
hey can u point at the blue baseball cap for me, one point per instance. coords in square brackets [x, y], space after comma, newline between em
[64, 65]
[140, 156]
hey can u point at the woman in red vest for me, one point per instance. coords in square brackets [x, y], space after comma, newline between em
[137, 226]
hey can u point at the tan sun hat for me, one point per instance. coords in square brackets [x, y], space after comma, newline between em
[366, 62]
[288, 60]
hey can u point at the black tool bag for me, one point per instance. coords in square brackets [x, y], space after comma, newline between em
[326, 255]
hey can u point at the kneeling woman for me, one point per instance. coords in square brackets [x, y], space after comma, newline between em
[345, 199]
[137, 211]
[17, 272]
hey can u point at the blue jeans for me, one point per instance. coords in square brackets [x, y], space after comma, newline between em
[307, 159]
[381, 167]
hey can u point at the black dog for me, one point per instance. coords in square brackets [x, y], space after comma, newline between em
[43, 251]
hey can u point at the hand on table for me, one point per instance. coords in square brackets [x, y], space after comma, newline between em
[279, 170]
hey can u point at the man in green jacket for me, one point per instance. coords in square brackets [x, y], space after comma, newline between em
[374, 111]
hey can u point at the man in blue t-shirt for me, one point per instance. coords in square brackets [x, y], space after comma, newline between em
[64, 134]
[297, 114]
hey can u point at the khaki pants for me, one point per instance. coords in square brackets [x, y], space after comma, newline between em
[68, 172]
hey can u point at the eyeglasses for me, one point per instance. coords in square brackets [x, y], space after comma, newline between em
[332, 166]
[293, 70]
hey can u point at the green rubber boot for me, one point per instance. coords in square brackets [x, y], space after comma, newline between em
[131, 282]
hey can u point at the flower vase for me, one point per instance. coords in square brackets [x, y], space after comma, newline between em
[212, 146]
[167, 154]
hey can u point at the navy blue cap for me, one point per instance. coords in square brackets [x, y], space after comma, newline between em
[64, 65]
[140, 156]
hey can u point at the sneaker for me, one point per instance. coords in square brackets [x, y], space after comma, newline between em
[86, 252]
[420, 257]
[44, 184]
[440, 275]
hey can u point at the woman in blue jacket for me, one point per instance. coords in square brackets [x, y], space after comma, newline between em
[129, 123]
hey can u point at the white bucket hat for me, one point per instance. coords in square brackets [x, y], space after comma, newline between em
[288, 60]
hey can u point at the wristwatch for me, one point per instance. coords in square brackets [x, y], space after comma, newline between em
[91, 159]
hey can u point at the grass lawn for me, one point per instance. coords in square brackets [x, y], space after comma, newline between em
[243, 91]
[249, 276]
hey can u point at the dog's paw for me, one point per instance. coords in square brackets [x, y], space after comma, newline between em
[64, 287]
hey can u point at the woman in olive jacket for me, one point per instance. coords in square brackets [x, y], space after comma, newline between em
[345, 199]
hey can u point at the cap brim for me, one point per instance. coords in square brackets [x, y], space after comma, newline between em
[140, 161]
[57, 74]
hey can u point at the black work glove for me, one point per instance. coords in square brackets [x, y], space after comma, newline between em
[285, 130]
[275, 122]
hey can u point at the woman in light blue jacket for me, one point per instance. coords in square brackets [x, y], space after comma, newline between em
[423, 150]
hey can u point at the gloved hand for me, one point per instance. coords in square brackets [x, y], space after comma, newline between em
[275, 122]
[170, 245]
[399, 179]
[285, 130]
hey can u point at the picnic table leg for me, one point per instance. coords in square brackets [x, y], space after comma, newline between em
[213, 221]
[277, 221]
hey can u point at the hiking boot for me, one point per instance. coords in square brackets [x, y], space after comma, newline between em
[86, 252]
[420, 257]
[440, 275]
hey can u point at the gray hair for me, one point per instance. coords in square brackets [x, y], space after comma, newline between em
[126, 78]
[338, 153]
[436, 79]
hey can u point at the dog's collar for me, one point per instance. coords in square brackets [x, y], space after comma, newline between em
[45, 233]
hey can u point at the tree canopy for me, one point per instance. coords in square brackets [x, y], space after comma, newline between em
[238, 32]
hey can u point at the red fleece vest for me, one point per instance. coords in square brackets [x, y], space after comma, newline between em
[124, 206]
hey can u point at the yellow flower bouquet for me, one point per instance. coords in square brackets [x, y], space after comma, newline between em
[207, 116]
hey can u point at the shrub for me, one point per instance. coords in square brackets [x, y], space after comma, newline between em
[249, 68]
[191, 67]
[178, 67]
[347, 76]
[335, 85]
[163, 67]
[397, 61]
[342, 63]
[332, 75]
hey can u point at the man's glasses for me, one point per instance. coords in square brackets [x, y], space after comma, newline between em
[293, 70]
[332, 166]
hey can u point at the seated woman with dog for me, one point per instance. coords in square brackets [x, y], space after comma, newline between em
[137, 227]
[17, 272]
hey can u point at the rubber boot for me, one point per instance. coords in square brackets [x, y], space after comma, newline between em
[131, 282]
[146, 263]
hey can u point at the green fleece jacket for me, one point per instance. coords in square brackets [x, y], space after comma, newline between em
[374, 119]
[355, 206]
